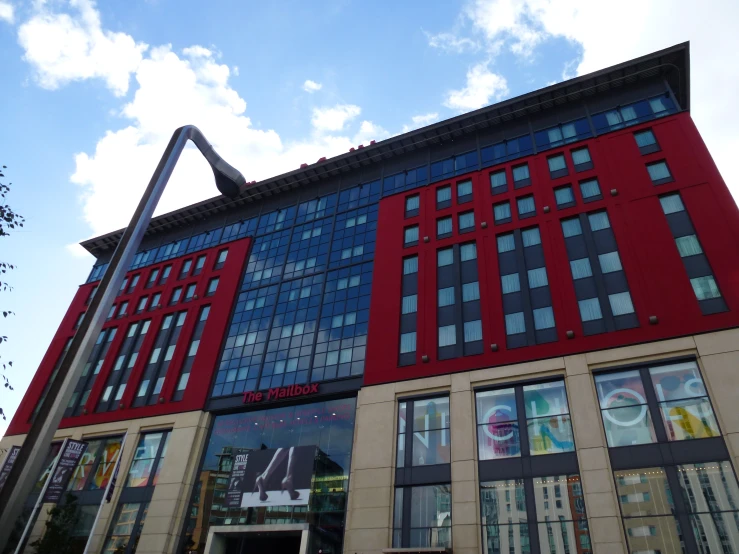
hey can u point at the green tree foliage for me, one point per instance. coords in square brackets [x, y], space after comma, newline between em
[57, 539]
[9, 221]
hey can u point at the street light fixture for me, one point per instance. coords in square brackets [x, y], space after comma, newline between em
[30, 459]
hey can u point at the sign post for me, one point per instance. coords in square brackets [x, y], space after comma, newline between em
[108, 494]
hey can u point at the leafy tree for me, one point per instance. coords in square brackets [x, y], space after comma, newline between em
[9, 220]
[59, 529]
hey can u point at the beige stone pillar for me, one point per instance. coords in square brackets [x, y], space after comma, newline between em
[465, 496]
[369, 513]
[168, 505]
[601, 503]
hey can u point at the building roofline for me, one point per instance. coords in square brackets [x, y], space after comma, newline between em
[662, 62]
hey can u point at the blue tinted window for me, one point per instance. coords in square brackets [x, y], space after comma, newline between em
[442, 169]
[506, 150]
[405, 181]
[316, 208]
[564, 133]
[465, 162]
[361, 195]
[276, 221]
[354, 237]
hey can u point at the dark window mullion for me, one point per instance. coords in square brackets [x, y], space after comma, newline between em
[681, 511]
[523, 282]
[523, 432]
[408, 437]
[653, 405]
[600, 286]
[158, 458]
[458, 318]
[405, 537]
[528, 485]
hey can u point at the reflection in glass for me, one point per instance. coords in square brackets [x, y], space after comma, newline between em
[431, 447]
[545, 399]
[497, 431]
[709, 487]
[507, 539]
[616, 390]
[143, 461]
[644, 492]
[503, 502]
[328, 425]
[689, 419]
[431, 516]
[550, 435]
[559, 537]
[628, 426]
[717, 532]
[654, 534]
[84, 466]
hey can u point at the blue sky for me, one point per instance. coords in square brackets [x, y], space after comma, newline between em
[92, 92]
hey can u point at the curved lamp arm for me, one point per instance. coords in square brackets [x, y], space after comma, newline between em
[30, 459]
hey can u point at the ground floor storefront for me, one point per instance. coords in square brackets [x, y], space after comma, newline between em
[622, 450]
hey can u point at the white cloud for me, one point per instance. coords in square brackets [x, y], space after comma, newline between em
[7, 13]
[421, 120]
[334, 118]
[77, 251]
[63, 48]
[450, 42]
[311, 86]
[197, 52]
[483, 86]
[369, 131]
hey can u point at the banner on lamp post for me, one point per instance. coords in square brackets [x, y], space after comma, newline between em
[59, 479]
[8, 464]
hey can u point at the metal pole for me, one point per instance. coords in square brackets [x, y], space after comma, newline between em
[32, 518]
[36, 445]
[105, 495]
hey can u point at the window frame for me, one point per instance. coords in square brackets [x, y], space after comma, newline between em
[557, 173]
[670, 177]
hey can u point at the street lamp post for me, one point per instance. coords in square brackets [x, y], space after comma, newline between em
[30, 460]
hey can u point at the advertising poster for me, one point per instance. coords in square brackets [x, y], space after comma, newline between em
[68, 459]
[236, 479]
[8, 464]
[273, 477]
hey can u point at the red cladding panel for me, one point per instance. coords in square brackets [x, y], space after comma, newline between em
[206, 359]
[657, 278]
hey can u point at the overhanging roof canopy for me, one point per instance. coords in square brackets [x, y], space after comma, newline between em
[673, 64]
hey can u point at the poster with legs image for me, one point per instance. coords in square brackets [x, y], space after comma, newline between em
[278, 477]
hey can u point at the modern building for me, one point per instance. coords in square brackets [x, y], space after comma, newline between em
[515, 331]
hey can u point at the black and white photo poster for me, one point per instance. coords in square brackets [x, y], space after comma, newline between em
[8, 464]
[236, 479]
[272, 477]
[68, 458]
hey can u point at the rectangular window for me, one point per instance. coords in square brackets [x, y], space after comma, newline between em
[472, 331]
[543, 318]
[564, 196]
[705, 288]
[468, 252]
[141, 304]
[498, 182]
[122, 312]
[571, 227]
[423, 432]
[557, 166]
[410, 304]
[510, 283]
[646, 142]
[190, 292]
[609, 262]
[165, 274]
[446, 297]
[444, 257]
[443, 227]
[502, 212]
[590, 189]
[531, 237]
[443, 197]
[407, 342]
[199, 264]
[410, 236]
[621, 303]
[688, 246]
[470, 292]
[412, 205]
[153, 274]
[506, 243]
[155, 301]
[590, 309]
[538, 277]
[659, 173]
[526, 207]
[430, 524]
[221, 259]
[410, 265]
[521, 176]
[447, 335]
[176, 293]
[212, 286]
[581, 159]
[671, 203]
[466, 222]
[581, 268]
[515, 323]
[185, 270]
[598, 221]
[464, 192]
